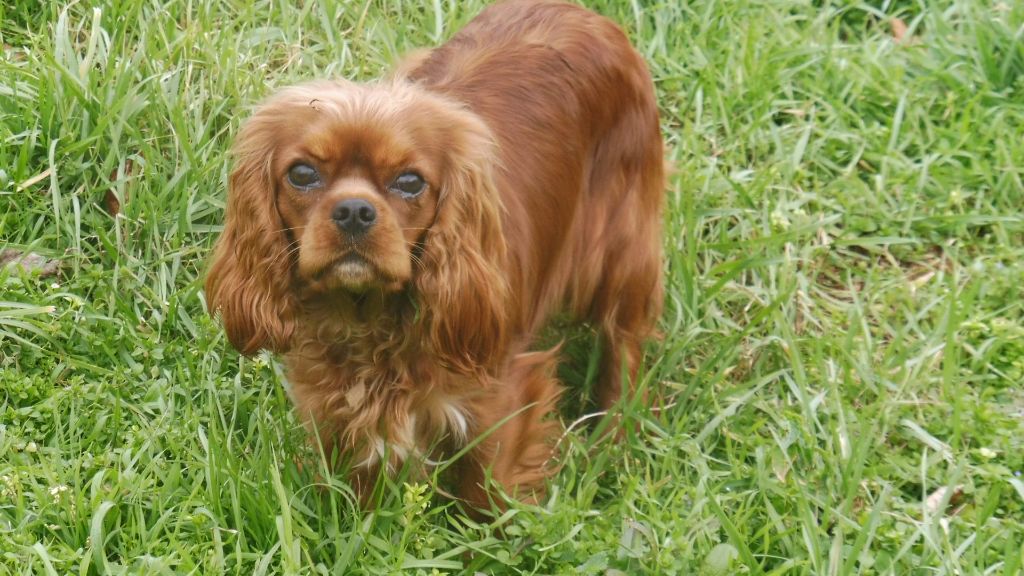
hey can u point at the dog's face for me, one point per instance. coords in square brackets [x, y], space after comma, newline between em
[342, 188]
[357, 180]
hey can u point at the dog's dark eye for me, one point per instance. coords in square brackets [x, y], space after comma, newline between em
[408, 185]
[304, 177]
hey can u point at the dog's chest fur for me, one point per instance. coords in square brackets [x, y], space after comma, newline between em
[378, 401]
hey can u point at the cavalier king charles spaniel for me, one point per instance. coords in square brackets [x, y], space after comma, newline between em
[401, 243]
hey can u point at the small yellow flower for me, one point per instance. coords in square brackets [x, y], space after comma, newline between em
[8, 486]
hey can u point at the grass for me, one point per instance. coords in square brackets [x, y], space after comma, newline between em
[844, 338]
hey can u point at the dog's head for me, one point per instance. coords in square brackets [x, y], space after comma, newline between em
[339, 189]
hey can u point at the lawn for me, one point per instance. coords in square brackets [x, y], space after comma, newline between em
[843, 350]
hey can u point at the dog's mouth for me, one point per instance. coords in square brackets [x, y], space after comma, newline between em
[354, 273]
[353, 269]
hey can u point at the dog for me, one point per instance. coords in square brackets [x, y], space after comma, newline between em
[401, 243]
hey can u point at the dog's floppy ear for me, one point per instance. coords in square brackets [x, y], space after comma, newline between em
[250, 275]
[463, 286]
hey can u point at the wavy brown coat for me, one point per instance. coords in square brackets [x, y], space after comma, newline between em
[536, 132]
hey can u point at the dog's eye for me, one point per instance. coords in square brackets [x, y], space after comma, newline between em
[408, 185]
[304, 177]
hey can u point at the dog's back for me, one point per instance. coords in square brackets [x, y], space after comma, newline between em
[572, 108]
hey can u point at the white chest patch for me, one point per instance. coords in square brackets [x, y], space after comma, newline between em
[436, 420]
[458, 424]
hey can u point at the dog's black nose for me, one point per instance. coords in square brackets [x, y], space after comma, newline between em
[354, 216]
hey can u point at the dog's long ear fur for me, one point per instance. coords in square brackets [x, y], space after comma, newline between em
[463, 287]
[249, 278]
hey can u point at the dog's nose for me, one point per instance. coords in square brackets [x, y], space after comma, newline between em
[354, 216]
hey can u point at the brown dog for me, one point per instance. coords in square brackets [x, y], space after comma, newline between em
[401, 243]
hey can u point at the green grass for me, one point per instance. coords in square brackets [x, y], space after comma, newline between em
[844, 336]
